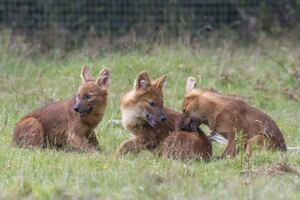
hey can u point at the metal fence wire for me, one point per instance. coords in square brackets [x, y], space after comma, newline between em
[117, 17]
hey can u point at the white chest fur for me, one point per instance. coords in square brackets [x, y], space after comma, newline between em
[130, 116]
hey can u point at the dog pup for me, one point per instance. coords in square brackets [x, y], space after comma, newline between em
[229, 116]
[183, 145]
[69, 121]
[145, 116]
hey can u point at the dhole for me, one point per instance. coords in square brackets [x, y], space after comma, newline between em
[70, 121]
[145, 116]
[183, 145]
[229, 116]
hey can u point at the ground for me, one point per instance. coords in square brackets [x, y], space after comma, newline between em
[266, 74]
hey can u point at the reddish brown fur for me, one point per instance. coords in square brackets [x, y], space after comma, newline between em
[135, 107]
[228, 116]
[57, 124]
[184, 145]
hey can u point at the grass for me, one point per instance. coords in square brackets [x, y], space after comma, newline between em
[264, 74]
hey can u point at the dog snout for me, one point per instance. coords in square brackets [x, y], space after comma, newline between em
[162, 117]
[76, 107]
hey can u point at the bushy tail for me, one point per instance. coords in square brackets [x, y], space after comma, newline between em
[215, 137]
[294, 149]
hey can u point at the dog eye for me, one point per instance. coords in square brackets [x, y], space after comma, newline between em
[88, 96]
[152, 104]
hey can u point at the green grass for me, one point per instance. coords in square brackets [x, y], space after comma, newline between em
[261, 74]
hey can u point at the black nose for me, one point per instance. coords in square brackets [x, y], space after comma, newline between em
[163, 118]
[76, 108]
[185, 126]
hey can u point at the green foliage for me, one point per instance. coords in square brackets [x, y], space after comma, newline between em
[26, 81]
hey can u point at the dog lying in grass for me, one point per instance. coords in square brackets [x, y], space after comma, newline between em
[229, 116]
[183, 145]
[152, 124]
[70, 121]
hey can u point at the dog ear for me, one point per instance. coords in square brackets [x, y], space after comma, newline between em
[85, 74]
[142, 81]
[103, 79]
[160, 82]
[190, 84]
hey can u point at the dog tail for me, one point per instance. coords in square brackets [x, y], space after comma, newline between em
[216, 137]
[294, 149]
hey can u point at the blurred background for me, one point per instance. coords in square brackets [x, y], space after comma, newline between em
[67, 23]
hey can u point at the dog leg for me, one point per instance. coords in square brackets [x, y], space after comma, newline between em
[92, 140]
[258, 140]
[230, 150]
[129, 146]
[80, 142]
[28, 133]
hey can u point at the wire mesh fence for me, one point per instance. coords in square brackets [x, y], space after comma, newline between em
[117, 17]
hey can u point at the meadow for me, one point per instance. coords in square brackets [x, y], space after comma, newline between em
[266, 74]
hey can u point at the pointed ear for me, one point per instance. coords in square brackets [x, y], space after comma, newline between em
[190, 84]
[142, 81]
[160, 82]
[85, 74]
[103, 79]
